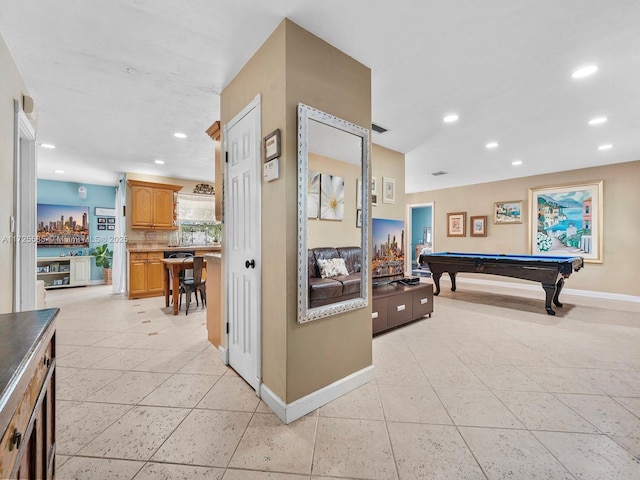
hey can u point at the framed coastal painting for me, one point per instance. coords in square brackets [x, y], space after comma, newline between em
[566, 220]
[507, 212]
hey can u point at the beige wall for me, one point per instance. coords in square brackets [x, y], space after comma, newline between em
[336, 233]
[621, 256]
[12, 87]
[388, 163]
[293, 66]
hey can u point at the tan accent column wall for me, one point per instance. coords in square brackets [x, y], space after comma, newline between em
[293, 66]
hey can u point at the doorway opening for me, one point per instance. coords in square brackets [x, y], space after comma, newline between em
[420, 233]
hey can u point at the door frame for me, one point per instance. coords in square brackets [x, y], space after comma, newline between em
[24, 219]
[254, 104]
[410, 207]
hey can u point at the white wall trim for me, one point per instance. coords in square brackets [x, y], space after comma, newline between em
[536, 287]
[224, 354]
[299, 408]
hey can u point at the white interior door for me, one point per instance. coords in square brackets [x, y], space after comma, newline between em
[242, 241]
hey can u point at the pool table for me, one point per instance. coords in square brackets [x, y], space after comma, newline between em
[549, 271]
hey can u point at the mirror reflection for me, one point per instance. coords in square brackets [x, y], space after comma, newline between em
[332, 161]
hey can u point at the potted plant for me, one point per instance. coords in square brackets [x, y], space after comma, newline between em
[103, 259]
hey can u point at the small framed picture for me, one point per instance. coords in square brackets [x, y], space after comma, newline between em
[102, 227]
[456, 222]
[388, 190]
[111, 227]
[478, 226]
[507, 212]
[102, 220]
[374, 199]
[272, 145]
[359, 218]
[374, 185]
[111, 220]
[54, 267]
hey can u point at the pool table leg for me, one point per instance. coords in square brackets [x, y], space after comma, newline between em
[452, 276]
[550, 291]
[436, 280]
[559, 286]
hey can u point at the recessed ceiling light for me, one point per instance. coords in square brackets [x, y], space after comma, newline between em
[179, 135]
[159, 162]
[47, 145]
[58, 171]
[608, 146]
[491, 145]
[585, 71]
[598, 120]
[516, 162]
[450, 118]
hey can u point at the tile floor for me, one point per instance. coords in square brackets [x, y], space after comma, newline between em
[490, 387]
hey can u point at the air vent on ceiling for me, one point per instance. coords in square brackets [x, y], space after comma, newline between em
[378, 128]
[437, 174]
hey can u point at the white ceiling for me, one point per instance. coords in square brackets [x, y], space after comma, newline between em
[503, 66]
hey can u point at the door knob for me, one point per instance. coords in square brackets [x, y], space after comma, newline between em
[251, 264]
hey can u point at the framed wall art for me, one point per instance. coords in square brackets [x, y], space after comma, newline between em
[331, 197]
[478, 226]
[456, 222]
[507, 212]
[388, 190]
[566, 220]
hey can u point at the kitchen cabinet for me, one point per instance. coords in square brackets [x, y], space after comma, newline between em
[27, 394]
[145, 274]
[153, 205]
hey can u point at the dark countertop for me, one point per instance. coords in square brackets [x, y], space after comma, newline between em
[160, 248]
[22, 335]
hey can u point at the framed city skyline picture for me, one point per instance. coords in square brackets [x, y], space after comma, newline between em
[62, 226]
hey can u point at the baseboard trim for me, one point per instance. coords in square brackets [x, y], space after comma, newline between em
[96, 282]
[299, 408]
[537, 287]
[224, 354]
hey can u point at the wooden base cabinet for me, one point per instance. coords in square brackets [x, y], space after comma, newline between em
[396, 304]
[27, 418]
[145, 274]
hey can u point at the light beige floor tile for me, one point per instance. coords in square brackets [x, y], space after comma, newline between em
[559, 380]
[610, 382]
[232, 474]
[165, 471]
[207, 362]
[206, 437]
[505, 377]
[269, 445]
[122, 340]
[82, 468]
[432, 452]
[180, 390]
[124, 359]
[76, 337]
[543, 411]
[353, 448]
[631, 404]
[62, 373]
[86, 357]
[158, 341]
[451, 375]
[412, 403]
[476, 408]
[512, 454]
[84, 383]
[363, 403]
[64, 350]
[605, 413]
[168, 361]
[80, 424]
[631, 445]
[230, 393]
[400, 374]
[137, 434]
[591, 457]
[129, 388]
[60, 460]
[264, 408]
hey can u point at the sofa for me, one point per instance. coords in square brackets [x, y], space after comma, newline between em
[336, 288]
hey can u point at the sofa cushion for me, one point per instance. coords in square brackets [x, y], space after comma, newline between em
[332, 267]
[350, 283]
[322, 288]
[352, 258]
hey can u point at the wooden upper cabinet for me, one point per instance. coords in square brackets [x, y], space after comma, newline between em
[153, 205]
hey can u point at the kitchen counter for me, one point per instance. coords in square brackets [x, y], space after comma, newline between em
[165, 248]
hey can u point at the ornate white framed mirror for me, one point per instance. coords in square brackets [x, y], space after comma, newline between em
[333, 212]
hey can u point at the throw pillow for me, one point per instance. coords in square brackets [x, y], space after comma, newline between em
[332, 267]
